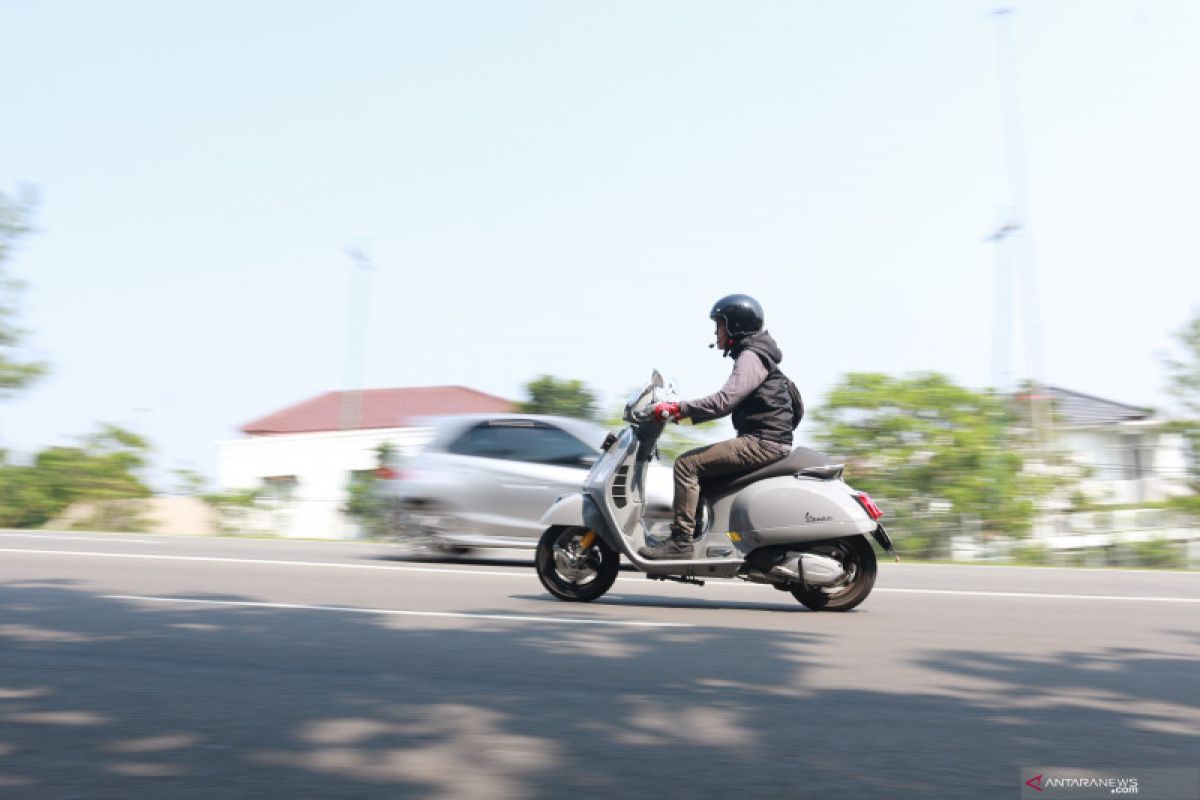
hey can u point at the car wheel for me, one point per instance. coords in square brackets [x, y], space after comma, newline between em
[424, 526]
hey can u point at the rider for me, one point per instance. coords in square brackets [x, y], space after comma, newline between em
[756, 394]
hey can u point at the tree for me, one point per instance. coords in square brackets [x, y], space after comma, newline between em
[1185, 387]
[566, 398]
[102, 469]
[1185, 371]
[924, 445]
[189, 482]
[239, 510]
[367, 504]
[15, 373]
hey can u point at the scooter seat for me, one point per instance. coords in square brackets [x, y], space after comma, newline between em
[801, 461]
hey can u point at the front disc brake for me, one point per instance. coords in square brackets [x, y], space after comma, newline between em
[572, 566]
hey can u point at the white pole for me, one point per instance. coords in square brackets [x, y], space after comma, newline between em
[361, 267]
[1021, 224]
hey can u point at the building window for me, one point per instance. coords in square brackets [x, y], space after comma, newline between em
[1138, 457]
[279, 488]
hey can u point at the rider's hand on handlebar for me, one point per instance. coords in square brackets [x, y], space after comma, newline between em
[667, 411]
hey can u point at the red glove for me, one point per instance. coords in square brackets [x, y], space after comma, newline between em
[665, 411]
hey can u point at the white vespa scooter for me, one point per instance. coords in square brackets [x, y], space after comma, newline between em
[793, 524]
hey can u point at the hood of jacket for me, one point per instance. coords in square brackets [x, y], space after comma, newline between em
[760, 343]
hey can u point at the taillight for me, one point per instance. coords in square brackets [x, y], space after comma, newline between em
[389, 474]
[868, 505]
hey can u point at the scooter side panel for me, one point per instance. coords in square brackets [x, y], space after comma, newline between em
[596, 520]
[567, 510]
[788, 509]
[599, 512]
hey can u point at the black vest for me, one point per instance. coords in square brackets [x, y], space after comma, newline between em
[767, 412]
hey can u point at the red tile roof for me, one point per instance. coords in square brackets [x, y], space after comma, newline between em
[378, 408]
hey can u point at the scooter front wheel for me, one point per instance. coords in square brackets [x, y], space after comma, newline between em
[572, 571]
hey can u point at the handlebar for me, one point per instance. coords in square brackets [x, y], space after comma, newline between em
[648, 415]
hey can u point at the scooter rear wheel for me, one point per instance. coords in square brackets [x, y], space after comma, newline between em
[858, 559]
[570, 573]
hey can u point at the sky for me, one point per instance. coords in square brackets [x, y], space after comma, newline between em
[566, 188]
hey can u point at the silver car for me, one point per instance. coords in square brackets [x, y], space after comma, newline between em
[484, 480]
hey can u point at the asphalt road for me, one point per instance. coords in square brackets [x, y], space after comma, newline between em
[143, 667]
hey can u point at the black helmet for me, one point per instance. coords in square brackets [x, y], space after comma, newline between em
[741, 312]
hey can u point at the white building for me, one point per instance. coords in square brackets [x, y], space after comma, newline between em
[1129, 456]
[306, 455]
[1131, 461]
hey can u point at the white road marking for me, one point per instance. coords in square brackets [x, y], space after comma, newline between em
[268, 562]
[528, 574]
[905, 565]
[1143, 598]
[984, 593]
[401, 612]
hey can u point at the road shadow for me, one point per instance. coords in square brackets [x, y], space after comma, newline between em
[619, 598]
[110, 698]
[470, 560]
[525, 560]
[494, 558]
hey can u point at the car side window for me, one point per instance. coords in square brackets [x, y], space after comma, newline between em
[522, 441]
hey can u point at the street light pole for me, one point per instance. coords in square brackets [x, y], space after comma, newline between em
[1017, 257]
[361, 267]
[1002, 292]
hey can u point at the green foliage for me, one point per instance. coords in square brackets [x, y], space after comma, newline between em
[1185, 386]
[1185, 371]
[189, 482]
[565, 398]
[922, 444]
[1030, 554]
[237, 510]
[104, 467]
[1189, 504]
[1159, 553]
[15, 373]
[237, 498]
[366, 503]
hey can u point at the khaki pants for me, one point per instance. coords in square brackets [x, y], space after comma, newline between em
[742, 454]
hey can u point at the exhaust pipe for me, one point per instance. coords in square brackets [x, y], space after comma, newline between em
[809, 568]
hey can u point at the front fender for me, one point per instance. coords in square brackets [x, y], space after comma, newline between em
[567, 510]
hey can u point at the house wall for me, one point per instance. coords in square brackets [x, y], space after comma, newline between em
[1130, 463]
[166, 515]
[321, 463]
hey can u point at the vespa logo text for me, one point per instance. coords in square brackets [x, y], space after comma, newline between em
[810, 518]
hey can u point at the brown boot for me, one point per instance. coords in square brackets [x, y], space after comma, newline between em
[677, 548]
